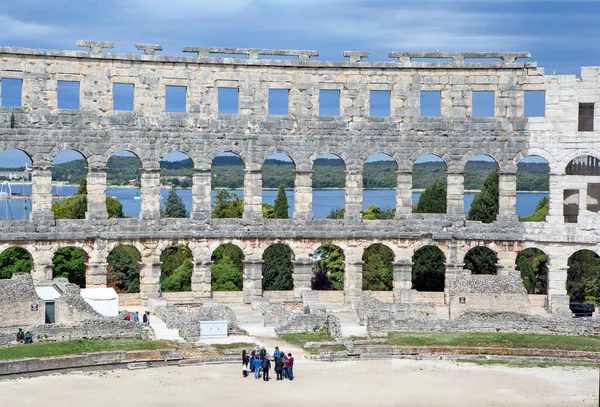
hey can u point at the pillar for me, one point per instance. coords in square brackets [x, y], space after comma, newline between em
[354, 183]
[403, 193]
[455, 199]
[41, 191]
[556, 199]
[42, 265]
[303, 196]
[95, 273]
[506, 262]
[201, 189]
[252, 280]
[507, 196]
[150, 276]
[402, 283]
[253, 194]
[201, 279]
[302, 276]
[96, 192]
[558, 300]
[453, 271]
[352, 281]
[150, 187]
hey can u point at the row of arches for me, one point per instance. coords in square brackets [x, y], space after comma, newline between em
[328, 267]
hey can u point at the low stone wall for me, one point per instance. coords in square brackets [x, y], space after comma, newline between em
[130, 300]
[97, 329]
[175, 297]
[318, 320]
[229, 297]
[335, 297]
[279, 296]
[383, 296]
[537, 300]
[371, 306]
[427, 296]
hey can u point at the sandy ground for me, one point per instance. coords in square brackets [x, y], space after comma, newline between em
[364, 383]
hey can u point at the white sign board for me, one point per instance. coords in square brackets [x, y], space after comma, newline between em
[213, 329]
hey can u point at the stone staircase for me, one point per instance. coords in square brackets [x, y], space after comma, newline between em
[251, 321]
[348, 319]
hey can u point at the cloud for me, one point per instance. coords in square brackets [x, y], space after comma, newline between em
[16, 29]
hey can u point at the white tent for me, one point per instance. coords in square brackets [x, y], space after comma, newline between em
[47, 293]
[104, 300]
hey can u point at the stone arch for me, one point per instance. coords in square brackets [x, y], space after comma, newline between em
[71, 262]
[15, 259]
[124, 266]
[270, 150]
[378, 268]
[329, 173]
[535, 152]
[533, 174]
[229, 174]
[227, 270]
[214, 153]
[176, 175]
[124, 168]
[379, 194]
[428, 269]
[583, 280]
[9, 148]
[21, 162]
[177, 266]
[479, 206]
[328, 267]
[143, 158]
[431, 179]
[277, 268]
[533, 265]
[469, 155]
[74, 175]
[567, 159]
[481, 260]
[586, 165]
[278, 172]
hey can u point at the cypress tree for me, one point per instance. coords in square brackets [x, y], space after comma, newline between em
[281, 204]
[174, 207]
[433, 199]
[485, 205]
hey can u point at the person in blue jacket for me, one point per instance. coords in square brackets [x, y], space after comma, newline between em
[256, 366]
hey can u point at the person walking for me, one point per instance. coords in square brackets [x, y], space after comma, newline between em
[266, 366]
[279, 368]
[145, 318]
[263, 353]
[285, 365]
[128, 317]
[148, 317]
[136, 317]
[277, 353]
[256, 365]
[252, 359]
[245, 359]
[290, 366]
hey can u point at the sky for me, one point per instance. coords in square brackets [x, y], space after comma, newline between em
[562, 36]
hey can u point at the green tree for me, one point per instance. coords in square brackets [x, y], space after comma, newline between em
[277, 268]
[69, 262]
[428, 269]
[176, 273]
[14, 260]
[481, 260]
[123, 271]
[378, 268]
[281, 204]
[541, 211]
[336, 213]
[583, 276]
[485, 206]
[328, 270]
[228, 205]
[532, 263]
[114, 207]
[433, 199]
[174, 207]
[268, 211]
[227, 270]
[82, 187]
[75, 207]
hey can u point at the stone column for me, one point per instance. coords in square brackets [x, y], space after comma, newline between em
[201, 279]
[453, 271]
[352, 281]
[506, 262]
[42, 265]
[303, 196]
[556, 199]
[402, 283]
[507, 196]
[354, 182]
[252, 280]
[583, 215]
[96, 191]
[150, 277]
[403, 194]
[253, 194]
[41, 191]
[558, 300]
[201, 189]
[95, 274]
[150, 187]
[302, 275]
[455, 199]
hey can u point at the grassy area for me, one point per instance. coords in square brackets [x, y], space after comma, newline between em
[235, 345]
[526, 363]
[498, 340]
[301, 338]
[78, 347]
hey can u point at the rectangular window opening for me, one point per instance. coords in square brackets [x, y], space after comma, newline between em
[431, 103]
[483, 104]
[279, 102]
[571, 205]
[329, 102]
[68, 95]
[123, 96]
[380, 103]
[586, 116]
[535, 103]
[228, 100]
[593, 198]
[176, 99]
[12, 92]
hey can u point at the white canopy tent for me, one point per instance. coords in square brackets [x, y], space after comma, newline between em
[104, 300]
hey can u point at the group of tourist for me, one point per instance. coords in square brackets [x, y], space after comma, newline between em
[136, 317]
[260, 363]
[24, 337]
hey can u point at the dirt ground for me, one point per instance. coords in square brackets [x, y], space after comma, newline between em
[361, 383]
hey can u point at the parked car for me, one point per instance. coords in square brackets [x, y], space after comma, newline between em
[581, 310]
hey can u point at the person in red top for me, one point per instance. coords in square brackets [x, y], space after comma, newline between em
[290, 366]
[128, 317]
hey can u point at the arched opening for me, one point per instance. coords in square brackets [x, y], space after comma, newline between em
[583, 195]
[583, 277]
[123, 271]
[328, 268]
[278, 180]
[123, 179]
[277, 268]
[69, 189]
[70, 262]
[428, 269]
[378, 268]
[15, 260]
[227, 183]
[15, 185]
[176, 268]
[176, 175]
[429, 180]
[329, 183]
[481, 189]
[227, 270]
[481, 260]
[379, 187]
[533, 265]
[533, 184]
